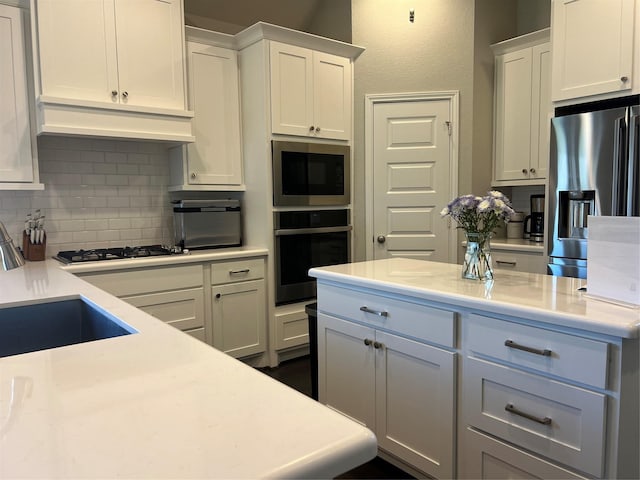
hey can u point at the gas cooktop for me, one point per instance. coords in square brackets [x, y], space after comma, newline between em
[99, 254]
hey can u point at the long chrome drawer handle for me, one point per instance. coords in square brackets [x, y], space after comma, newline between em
[511, 344]
[505, 262]
[511, 409]
[380, 313]
[238, 272]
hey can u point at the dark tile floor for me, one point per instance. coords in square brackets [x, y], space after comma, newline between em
[295, 373]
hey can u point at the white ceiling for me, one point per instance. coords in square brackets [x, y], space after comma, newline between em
[294, 14]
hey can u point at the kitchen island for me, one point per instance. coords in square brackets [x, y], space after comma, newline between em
[156, 403]
[524, 376]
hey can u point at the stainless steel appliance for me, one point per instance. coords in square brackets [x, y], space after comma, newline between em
[207, 223]
[116, 253]
[534, 223]
[313, 174]
[307, 239]
[594, 170]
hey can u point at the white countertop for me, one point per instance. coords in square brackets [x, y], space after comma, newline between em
[194, 256]
[154, 404]
[532, 296]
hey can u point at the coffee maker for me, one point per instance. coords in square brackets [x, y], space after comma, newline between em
[534, 223]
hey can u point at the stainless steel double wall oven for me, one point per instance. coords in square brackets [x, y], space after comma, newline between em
[312, 221]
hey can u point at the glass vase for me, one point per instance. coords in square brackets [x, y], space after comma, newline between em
[477, 258]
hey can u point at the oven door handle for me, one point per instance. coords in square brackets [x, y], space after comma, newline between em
[304, 231]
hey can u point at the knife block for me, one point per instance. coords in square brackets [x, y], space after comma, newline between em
[32, 251]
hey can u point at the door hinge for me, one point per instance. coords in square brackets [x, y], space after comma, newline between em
[448, 124]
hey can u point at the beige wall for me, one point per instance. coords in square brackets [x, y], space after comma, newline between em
[446, 48]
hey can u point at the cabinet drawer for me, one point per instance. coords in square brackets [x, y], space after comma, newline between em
[578, 359]
[395, 315]
[556, 420]
[237, 271]
[146, 280]
[183, 309]
[518, 261]
[488, 458]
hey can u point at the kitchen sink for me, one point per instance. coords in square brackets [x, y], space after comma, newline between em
[41, 326]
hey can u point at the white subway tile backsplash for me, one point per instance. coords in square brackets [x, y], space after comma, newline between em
[98, 193]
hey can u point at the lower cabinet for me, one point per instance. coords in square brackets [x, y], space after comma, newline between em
[238, 309]
[401, 388]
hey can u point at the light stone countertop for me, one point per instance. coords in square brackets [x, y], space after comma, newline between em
[541, 298]
[154, 404]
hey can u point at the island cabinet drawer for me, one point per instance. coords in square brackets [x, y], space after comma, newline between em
[237, 271]
[400, 316]
[575, 358]
[558, 421]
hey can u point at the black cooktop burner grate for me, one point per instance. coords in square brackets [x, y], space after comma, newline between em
[99, 254]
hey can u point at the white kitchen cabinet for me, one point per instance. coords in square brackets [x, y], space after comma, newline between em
[238, 295]
[214, 161]
[594, 48]
[402, 388]
[310, 93]
[173, 294]
[112, 68]
[18, 150]
[533, 262]
[522, 109]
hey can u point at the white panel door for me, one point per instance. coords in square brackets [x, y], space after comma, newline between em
[332, 96]
[239, 318]
[513, 115]
[215, 158]
[150, 53]
[291, 89]
[77, 47]
[346, 368]
[415, 403]
[15, 134]
[411, 179]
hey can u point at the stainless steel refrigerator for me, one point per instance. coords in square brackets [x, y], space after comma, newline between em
[593, 170]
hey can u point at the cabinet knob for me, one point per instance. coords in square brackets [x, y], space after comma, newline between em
[624, 79]
[317, 129]
[524, 170]
[311, 128]
[114, 93]
[218, 295]
[532, 170]
[367, 342]
[378, 345]
[194, 174]
[125, 94]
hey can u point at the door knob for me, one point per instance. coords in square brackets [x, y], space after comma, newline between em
[381, 239]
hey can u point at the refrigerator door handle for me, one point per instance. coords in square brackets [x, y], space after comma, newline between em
[619, 184]
[633, 170]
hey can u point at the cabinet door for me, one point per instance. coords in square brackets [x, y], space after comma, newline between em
[15, 134]
[77, 49]
[346, 368]
[541, 110]
[513, 115]
[215, 157]
[415, 403]
[291, 90]
[592, 47]
[150, 44]
[332, 96]
[239, 318]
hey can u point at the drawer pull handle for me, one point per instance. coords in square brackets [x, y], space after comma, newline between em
[504, 262]
[380, 313]
[511, 409]
[511, 344]
[239, 272]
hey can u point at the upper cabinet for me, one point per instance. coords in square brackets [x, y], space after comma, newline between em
[18, 153]
[593, 48]
[310, 92]
[214, 161]
[111, 68]
[522, 109]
